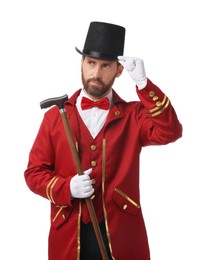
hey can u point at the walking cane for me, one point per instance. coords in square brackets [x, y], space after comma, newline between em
[59, 101]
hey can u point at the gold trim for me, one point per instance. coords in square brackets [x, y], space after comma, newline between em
[92, 197]
[47, 187]
[59, 211]
[76, 145]
[79, 217]
[103, 192]
[127, 198]
[51, 190]
[157, 107]
[160, 111]
[78, 238]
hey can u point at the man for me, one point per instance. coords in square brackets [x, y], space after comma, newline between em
[109, 139]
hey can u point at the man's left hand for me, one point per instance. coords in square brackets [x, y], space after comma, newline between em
[135, 68]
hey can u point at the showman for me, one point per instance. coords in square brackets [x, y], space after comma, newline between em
[109, 134]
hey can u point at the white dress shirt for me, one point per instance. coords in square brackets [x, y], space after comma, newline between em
[95, 117]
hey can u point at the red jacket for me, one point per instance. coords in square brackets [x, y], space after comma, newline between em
[114, 157]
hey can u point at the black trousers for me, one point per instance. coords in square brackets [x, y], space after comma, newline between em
[89, 245]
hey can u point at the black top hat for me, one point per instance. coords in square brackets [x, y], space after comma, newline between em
[104, 41]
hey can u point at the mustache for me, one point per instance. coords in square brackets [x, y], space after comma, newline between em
[95, 81]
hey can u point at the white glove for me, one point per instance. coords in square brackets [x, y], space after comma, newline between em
[135, 68]
[81, 185]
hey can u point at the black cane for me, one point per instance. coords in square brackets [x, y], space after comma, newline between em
[59, 101]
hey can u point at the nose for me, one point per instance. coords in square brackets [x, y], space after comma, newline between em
[97, 72]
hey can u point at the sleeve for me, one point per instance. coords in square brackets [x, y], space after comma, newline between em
[160, 124]
[40, 174]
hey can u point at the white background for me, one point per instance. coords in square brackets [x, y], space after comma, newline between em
[38, 61]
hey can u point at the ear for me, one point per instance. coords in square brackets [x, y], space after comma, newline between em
[119, 70]
[82, 60]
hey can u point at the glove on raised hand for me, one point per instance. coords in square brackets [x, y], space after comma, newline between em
[135, 68]
[81, 185]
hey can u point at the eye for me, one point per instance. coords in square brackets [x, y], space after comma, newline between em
[91, 63]
[107, 66]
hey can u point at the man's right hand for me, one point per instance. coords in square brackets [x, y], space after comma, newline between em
[135, 68]
[81, 185]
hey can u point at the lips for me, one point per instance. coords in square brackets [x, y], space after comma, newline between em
[96, 82]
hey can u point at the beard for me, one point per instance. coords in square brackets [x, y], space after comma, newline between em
[99, 89]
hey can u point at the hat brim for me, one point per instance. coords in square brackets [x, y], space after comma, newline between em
[97, 55]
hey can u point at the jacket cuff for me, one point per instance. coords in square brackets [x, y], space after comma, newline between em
[153, 99]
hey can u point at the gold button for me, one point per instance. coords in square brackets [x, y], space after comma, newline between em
[159, 103]
[151, 94]
[117, 113]
[93, 181]
[155, 98]
[93, 147]
[93, 163]
[125, 207]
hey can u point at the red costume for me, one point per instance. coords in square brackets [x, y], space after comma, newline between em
[114, 157]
